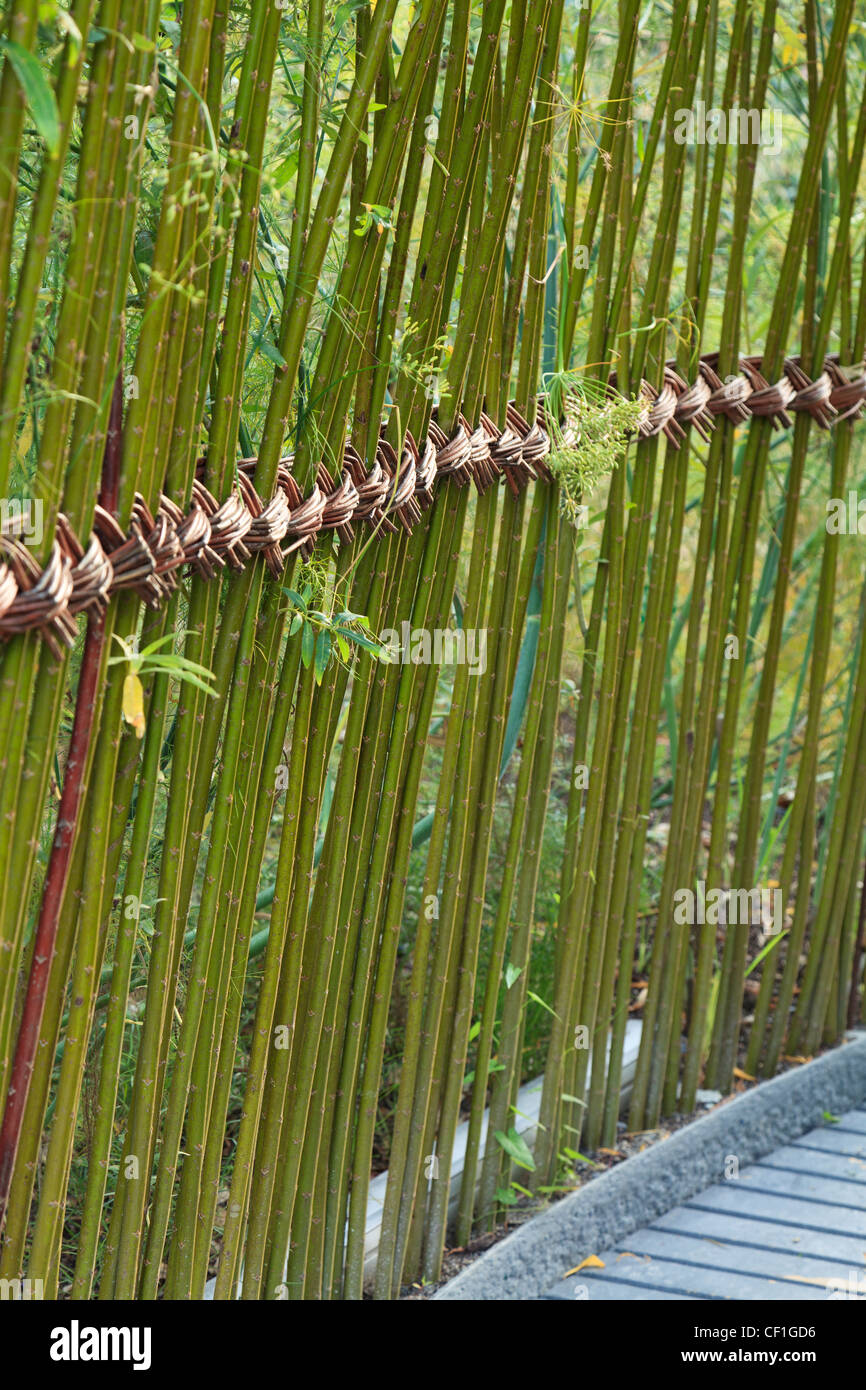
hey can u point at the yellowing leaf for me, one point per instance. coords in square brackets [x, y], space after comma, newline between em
[743, 1075]
[591, 1262]
[133, 703]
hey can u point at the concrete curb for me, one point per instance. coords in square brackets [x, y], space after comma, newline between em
[526, 1264]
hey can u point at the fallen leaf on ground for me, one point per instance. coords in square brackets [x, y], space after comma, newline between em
[591, 1262]
[743, 1075]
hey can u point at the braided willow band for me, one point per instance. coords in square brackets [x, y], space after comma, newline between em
[212, 536]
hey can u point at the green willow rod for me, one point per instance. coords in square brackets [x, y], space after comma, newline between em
[603, 934]
[721, 1060]
[436, 845]
[694, 742]
[18, 349]
[394, 1210]
[294, 326]
[575, 871]
[516, 573]
[200, 1182]
[808, 1021]
[356, 1174]
[824, 605]
[172, 878]
[376, 898]
[25, 780]
[323, 944]
[432, 604]
[803, 808]
[660, 595]
[466, 769]
[747, 838]
[514, 912]
[494, 691]
[676, 963]
[106, 324]
[22, 30]
[356, 298]
[457, 151]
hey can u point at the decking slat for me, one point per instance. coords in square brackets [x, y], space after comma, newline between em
[814, 1216]
[610, 1292]
[741, 1259]
[831, 1141]
[769, 1235]
[807, 1187]
[842, 1167]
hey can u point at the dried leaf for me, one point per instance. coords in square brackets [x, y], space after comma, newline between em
[591, 1262]
[133, 703]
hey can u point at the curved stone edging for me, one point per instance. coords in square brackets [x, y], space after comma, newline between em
[643, 1188]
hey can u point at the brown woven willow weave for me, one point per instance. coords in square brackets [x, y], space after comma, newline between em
[211, 536]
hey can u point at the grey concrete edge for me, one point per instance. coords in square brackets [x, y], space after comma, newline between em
[527, 1263]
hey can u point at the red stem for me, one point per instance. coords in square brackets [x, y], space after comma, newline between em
[61, 850]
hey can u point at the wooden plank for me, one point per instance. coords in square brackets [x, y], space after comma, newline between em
[842, 1167]
[813, 1187]
[611, 1291]
[769, 1235]
[854, 1121]
[736, 1199]
[701, 1250]
[696, 1281]
[832, 1142]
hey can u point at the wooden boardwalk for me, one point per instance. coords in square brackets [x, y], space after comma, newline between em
[789, 1227]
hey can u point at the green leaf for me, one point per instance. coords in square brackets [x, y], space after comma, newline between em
[505, 1197]
[297, 599]
[535, 999]
[37, 93]
[286, 171]
[172, 666]
[323, 654]
[512, 973]
[296, 622]
[271, 353]
[67, 24]
[155, 646]
[516, 1147]
[308, 644]
[178, 663]
[366, 642]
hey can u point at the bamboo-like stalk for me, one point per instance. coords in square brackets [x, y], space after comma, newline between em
[403, 295]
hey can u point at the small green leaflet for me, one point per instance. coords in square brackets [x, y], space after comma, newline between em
[512, 973]
[37, 93]
[323, 652]
[515, 1146]
[272, 353]
[308, 643]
